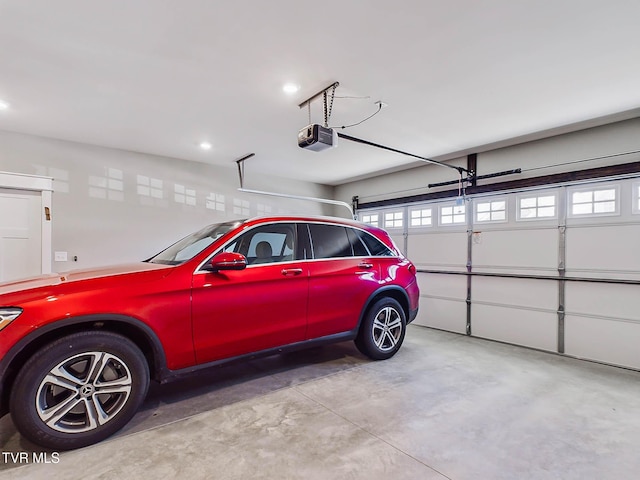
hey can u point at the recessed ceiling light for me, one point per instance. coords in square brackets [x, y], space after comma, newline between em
[205, 145]
[290, 88]
[4, 105]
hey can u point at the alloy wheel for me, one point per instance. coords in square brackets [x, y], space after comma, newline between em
[387, 328]
[83, 392]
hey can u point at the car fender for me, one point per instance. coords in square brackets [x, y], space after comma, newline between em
[151, 345]
[392, 291]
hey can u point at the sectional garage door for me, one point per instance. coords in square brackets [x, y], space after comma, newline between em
[556, 269]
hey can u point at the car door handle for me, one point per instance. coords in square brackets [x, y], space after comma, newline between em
[365, 265]
[291, 271]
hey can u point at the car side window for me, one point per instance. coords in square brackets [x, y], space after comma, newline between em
[329, 241]
[375, 246]
[266, 244]
[359, 248]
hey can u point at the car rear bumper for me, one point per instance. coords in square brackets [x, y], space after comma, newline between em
[412, 315]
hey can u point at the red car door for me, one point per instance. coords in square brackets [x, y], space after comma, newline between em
[342, 276]
[261, 307]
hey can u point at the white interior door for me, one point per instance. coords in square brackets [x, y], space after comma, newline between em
[20, 234]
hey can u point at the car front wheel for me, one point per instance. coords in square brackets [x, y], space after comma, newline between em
[382, 330]
[79, 390]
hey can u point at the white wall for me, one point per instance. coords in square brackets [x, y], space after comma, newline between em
[532, 157]
[112, 206]
[587, 144]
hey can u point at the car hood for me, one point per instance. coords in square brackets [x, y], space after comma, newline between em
[54, 279]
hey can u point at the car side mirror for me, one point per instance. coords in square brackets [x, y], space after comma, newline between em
[228, 261]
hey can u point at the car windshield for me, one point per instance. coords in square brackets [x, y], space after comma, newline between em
[190, 246]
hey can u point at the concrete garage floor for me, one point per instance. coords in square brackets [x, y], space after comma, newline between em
[446, 406]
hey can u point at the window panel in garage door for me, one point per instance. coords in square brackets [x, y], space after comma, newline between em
[602, 320]
[516, 310]
[394, 222]
[371, 219]
[434, 245]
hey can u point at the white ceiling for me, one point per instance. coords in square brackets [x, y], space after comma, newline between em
[160, 76]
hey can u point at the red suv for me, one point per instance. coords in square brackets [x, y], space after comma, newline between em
[78, 349]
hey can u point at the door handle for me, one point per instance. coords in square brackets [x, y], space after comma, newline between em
[365, 265]
[291, 271]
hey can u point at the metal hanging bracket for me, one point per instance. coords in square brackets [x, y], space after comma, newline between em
[240, 163]
[471, 176]
[334, 85]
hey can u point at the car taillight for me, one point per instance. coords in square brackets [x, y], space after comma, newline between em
[412, 268]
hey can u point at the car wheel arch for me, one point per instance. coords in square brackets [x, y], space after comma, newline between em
[136, 331]
[391, 291]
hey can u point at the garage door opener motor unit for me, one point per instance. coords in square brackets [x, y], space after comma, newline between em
[317, 138]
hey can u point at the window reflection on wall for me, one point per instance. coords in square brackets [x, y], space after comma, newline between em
[215, 201]
[150, 191]
[186, 196]
[263, 209]
[109, 186]
[241, 207]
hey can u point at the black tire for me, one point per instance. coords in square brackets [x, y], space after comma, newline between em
[79, 390]
[382, 330]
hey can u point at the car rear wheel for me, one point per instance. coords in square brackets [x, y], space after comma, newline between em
[382, 330]
[79, 390]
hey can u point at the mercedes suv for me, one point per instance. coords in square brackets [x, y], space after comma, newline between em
[78, 349]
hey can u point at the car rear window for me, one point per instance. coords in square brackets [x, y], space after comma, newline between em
[359, 248]
[375, 246]
[336, 241]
